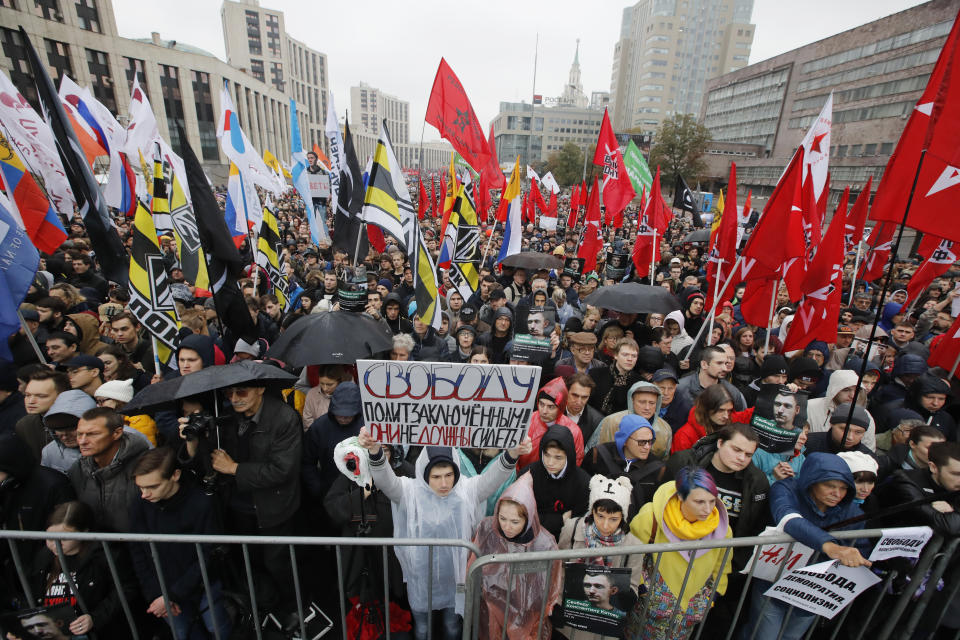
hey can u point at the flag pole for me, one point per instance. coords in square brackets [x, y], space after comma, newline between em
[723, 290]
[30, 337]
[773, 303]
[716, 288]
[883, 294]
[493, 230]
[653, 255]
[156, 356]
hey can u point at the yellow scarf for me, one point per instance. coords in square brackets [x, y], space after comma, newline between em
[683, 528]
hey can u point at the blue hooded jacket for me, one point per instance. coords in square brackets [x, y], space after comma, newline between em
[886, 319]
[791, 498]
[630, 424]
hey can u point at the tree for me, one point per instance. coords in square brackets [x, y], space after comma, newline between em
[567, 165]
[678, 148]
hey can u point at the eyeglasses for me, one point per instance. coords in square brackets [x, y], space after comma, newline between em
[240, 392]
[103, 401]
[642, 443]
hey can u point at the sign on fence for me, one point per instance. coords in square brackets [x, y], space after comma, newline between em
[447, 404]
[903, 542]
[597, 598]
[770, 557]
[823, 589]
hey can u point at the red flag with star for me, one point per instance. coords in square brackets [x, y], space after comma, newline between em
[592, 241]
[450, 111]
[617, 188]
[651, 223]
[932, 125]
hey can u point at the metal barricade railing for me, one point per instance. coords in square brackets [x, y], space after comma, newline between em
[933, 563]
[200, 542]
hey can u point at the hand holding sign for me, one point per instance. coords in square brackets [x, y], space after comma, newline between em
[522, 449]
[367, 441]
[847, 556]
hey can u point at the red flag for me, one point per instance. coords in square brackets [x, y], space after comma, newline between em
[757, 300]
[421, 200]
[592, 241]
[375, 236]
[494, 174]
[822, 200]
[443, 198]
[746, 205]
[652, 222]
[857, 218]
[552, 208]
[503, 209]
[812, 220]
[617, 188]
[933, 125]
[536, 198]
[881, 242]
[819, 310]
[450, 111]
[777, 240]
[945, 348]
[939, 261]
[574, 205]
[723, 244]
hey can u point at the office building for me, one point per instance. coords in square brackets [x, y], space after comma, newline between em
[370, 106]
[758, 115]
[666, 52]
[534, 132]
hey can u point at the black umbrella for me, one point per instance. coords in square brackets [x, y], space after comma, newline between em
[533, 261]
[700, 235]
[633, 297]
[161, 394]
[331, 337]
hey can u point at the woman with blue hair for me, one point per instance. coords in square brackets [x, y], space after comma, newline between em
[684, 510]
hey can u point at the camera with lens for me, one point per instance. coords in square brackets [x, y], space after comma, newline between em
[199, 426]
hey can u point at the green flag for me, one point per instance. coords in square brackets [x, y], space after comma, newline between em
[637, 168]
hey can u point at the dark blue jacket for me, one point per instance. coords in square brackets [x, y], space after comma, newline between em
[791, 498]
[318, 469]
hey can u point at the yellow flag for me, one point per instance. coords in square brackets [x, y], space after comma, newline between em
[271, 161]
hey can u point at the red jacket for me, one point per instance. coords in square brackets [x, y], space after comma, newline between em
[557, 391]
[692, 431]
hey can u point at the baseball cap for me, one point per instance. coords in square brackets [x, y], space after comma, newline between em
[467, 314]
[845, 329]
[91, 362]
[664, 374]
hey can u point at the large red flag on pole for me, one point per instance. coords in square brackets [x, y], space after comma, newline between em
[592, 240]
[881, 243]
[450, 111]
[723, 244]
[945, 349]
[617, 188]
[857, 219]
[652, 222]
[422, 200]
[819, 310]
[939, 261]
[495, 178]
[936, 190]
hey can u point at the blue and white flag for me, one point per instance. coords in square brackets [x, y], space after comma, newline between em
[318, 225]
[17, 269]
[513, 227]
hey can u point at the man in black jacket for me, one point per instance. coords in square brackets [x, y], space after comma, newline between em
[259, 463]
[941, 475]
[168, 506]
[343, 419]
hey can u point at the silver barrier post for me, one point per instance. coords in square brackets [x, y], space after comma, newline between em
[506, 609]
[343, 606]
[386, 591]
[127, 613]
[676, 607]
[935, 574]
[296, 591]
[921, 568]
[873, 608]
[743, 596]
[954, 590]
[163, 587]
[546, 594]
[253, 594]
[652, 580]
[430, 593]
[211, 601]
[70, 580]
[713, 592]
[21, 574]
[766, 601]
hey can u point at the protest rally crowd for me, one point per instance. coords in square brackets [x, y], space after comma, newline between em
[666, 412]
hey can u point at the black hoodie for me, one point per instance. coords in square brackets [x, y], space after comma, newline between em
[569, 492]
[401, 324]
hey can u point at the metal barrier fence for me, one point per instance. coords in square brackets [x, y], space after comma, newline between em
[933, 563]
[901, 617]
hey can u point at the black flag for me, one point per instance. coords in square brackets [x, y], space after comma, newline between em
[683, 199]
[223, 260]
[104, 239]
[347, 224]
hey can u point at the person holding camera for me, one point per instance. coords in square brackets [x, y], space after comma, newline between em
[257, 456]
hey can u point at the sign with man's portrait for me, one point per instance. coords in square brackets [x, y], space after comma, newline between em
[597, 598]
[779, 417]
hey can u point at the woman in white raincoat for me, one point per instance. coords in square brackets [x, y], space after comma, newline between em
[437, 503]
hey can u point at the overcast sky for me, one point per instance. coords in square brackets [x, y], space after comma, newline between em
[396, 46]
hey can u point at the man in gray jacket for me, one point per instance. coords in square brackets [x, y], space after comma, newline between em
[102, 477]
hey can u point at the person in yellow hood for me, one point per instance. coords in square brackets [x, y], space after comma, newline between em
[681, 511]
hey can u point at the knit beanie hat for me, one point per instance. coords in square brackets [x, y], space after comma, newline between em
[860, 416]
[618, 490]
[119, 390]
[859, 461]
[440, 455]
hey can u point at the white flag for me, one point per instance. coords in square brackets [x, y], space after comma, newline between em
[237, 147]
[550, 182]
[338, 159]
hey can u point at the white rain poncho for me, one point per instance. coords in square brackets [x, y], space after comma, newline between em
[418, 512]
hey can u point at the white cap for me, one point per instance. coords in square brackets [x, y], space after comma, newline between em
[859, 461]
[619, 490]
[119, 390]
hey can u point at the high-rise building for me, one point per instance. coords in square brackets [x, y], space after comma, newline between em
[536, 132]
[257, 42]
[876, 72]
[370, 106]
[666, 52]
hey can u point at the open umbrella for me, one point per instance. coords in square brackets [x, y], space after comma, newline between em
[533, 261]
[700, 235]
[331, 337]
[633, 297]
[161, 394]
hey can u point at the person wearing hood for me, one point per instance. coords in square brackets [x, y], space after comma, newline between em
[463, 339]
[890, 316]
[343, 420]
[103, 476]
[499, 335]
[629, 456]
[907, 367]
[551, 409]
[61, 420]
[392, 306]
[615, 380]
[645, 399]
[685, 509]
[41, 391]
[559, 486]
[839, 390]
[194, 353]
[833, 441]
[693, 310]
[927, 396]
[605, 525]
[509, 598]
[428, 346]
[445, 332]
[805, 506]
[675, 322]
[437, 503]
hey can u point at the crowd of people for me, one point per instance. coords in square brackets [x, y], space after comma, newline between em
[642, 434]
